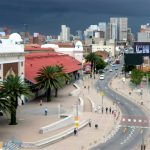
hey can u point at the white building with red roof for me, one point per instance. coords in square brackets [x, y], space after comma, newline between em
[35, 61]
[72, 50]
[11, 56]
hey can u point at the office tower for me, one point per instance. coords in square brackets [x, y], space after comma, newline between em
[108, 32]
[144, 34]
[114, 32]
[102, 27]
[65, 33]
[80, 35]
[123, 28]
[89, 32]
[119, 28]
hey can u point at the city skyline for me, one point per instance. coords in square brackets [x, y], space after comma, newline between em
[47, 16]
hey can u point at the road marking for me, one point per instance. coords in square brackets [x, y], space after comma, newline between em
[129, 120]
[128, 137]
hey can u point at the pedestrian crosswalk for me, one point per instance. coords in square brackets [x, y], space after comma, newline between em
[135, 121]
[11, 146]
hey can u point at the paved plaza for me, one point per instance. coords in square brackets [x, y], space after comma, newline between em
[31, 115]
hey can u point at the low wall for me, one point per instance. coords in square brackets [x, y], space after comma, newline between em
[81, 105]
[75, 92]
[57, 125]
[53, 139]
[93, 104]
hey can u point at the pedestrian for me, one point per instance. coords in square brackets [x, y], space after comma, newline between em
[75, 131]
[102, 110]
[41, 102]
[106, 109]
[88, 87]
[110, 110]
[46, 111]
[99, 108]
[89, 122]
[96, 126]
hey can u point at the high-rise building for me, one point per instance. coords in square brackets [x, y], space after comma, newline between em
[65, 33]
[102, 27]
[144, 34]
[123, 29]
[114, 33]
[119, 28]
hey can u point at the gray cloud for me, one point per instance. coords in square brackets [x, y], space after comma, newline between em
[47, 15]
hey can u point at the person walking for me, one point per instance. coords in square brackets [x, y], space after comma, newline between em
[41, 102]
[75, 131]
[99, 108]
[89, 122]
[106, 110]
[46, 111]
[110, 110]
[102, 110]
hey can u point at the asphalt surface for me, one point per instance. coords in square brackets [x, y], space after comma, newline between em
[133, 136]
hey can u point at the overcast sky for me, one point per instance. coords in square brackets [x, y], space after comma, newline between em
[46, 16]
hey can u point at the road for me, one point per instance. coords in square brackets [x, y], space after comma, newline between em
[121, 140]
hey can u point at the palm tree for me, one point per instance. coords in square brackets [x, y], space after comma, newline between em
[14, 87]
[48, 78]
[5, 105]
[62, 78]
[94, 59]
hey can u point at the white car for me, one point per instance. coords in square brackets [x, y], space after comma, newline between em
[110, 70]
[102, 77]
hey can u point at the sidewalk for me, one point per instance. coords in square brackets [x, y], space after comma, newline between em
[31, 118]
[90, 136]
[143, 101]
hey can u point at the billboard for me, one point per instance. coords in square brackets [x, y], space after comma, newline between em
[142, 47]
[133, 59]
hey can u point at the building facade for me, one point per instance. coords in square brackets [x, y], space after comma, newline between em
[65, 33]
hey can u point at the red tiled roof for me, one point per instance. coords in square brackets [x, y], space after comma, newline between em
[35, 61]
[32, 48]
[65, 45]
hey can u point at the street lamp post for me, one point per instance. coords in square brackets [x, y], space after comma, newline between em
[76, 121]
[59, 110]
[143, 146]
[102, 94]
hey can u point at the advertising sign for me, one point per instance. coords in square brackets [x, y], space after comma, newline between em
[142, 47]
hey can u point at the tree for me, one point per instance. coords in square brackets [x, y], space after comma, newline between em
[49, 77]
[100, 64]
[136, 76]
[14, 87]
[62, 78]
[91, 58]
[5, 105]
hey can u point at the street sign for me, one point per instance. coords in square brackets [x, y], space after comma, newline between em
[76, 121]
[101, 93]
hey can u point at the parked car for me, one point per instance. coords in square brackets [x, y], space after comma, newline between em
[116, 68]
[102, 77]
[113, 65]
